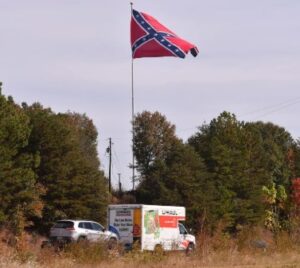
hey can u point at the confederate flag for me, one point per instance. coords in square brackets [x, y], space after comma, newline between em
[149, 38]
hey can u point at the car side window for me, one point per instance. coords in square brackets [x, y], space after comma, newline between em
[80, 225]
[97, 227]
[88, 225]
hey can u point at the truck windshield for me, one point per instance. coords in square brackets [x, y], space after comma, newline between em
[182, 229]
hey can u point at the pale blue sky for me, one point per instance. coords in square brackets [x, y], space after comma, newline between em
[75, 55]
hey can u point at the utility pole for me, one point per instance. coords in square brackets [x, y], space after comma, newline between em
[108, 150]
[120, 185]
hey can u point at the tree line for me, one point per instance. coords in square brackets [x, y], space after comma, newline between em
[49, 167]
[230, 171]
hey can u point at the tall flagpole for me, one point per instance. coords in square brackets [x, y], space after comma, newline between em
[132, 117]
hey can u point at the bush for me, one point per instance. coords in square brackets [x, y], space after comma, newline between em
[86, 253]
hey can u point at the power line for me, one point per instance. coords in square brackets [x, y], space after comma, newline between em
[274, 107]
[279, 109]
[269, 110]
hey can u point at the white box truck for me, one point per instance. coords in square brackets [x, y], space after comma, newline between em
[152, 226]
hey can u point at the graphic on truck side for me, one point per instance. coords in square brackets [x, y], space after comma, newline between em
[151, 223]
[121, 223]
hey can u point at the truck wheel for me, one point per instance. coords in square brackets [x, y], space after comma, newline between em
[190, 249]
[158, 250]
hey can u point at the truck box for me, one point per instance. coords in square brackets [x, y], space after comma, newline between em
[150, 226]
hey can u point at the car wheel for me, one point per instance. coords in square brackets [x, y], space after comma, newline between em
[46, 244]
[112, 243]
[81, 239]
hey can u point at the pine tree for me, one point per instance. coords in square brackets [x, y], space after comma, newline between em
[229, 151]
[69, 169]
[19, 193]
[243, 158]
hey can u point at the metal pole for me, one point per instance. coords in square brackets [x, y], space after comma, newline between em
[109, 173]
[132, 118]
[120, 186]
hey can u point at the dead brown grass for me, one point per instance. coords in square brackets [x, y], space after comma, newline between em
[212, 251]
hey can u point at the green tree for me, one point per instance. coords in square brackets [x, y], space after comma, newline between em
[154, 136]
[69, 169]
[172, 172]
[244, 159]
[277, 146]
[279, 152]
[230, 151]
[294, 159]
[19, 192]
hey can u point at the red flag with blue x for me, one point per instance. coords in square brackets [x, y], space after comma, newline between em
[149, 38]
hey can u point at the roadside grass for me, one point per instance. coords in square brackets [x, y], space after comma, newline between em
[219, 250]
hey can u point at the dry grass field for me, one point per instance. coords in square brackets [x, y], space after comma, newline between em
[218, 251]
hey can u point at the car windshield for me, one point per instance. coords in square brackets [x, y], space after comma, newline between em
[63, 224]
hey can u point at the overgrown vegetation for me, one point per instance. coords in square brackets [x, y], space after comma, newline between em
[217, 250]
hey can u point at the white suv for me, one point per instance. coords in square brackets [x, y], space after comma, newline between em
[76, 230]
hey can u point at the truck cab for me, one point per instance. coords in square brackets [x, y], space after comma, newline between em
[187, 241]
